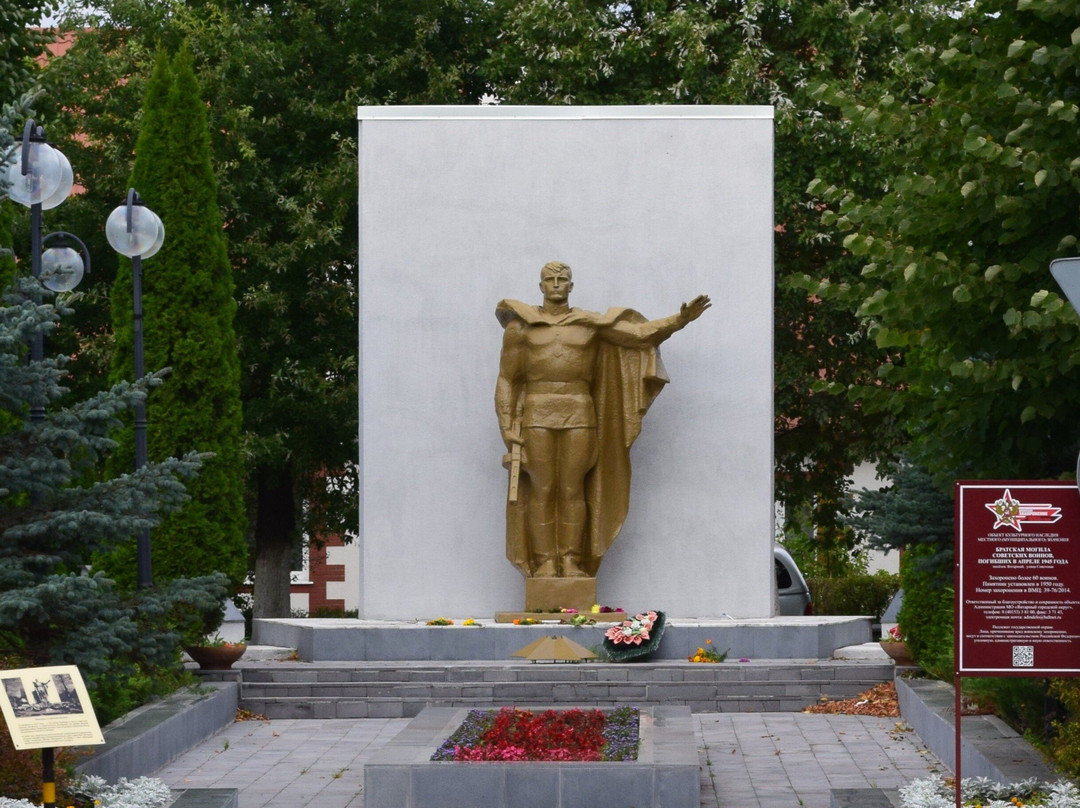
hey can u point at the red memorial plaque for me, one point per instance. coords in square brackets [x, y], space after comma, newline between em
[1017, 578]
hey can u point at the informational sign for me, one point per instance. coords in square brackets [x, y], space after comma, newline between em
[48, 707]
[1017, 578]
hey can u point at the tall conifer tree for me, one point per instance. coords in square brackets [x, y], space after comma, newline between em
[188, 311]
[56, 515]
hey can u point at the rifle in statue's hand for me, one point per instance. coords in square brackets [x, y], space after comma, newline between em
[512, 461]
[515, 474]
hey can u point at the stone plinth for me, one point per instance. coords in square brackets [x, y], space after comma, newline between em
[545, 594]
[402, 775]
[325, 639]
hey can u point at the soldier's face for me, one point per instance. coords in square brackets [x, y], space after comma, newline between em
[556, 285]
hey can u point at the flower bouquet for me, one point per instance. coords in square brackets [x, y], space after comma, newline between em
[634, 638]
[707, 654]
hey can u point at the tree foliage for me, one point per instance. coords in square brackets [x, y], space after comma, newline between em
[22, 41]
[914, 515]
[10, 114]
[189, 307]
[56, 513]
[281, 84]
[981, 192]
[912, 511]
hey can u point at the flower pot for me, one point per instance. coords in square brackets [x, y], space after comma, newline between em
[216, 657]
[898, 650]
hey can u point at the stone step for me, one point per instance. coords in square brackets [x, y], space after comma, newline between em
[366, 690]
[302, 708]
[817, 670]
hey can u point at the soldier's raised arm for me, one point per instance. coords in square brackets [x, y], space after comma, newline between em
[652, 332]
[694, 309]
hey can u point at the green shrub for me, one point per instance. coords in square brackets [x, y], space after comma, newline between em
[114, 696]
[926, 616]
[1025, 703]
[854, 594]
[326, 611]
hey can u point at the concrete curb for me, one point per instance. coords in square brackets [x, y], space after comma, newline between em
[989, 747]
[147, 738]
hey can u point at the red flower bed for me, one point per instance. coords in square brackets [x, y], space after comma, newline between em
[551, 735]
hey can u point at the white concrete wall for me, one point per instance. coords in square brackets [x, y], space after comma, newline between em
[460, 207]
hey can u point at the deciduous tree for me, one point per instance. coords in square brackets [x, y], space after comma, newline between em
[982, 185]
[282, 83]
[22, 41]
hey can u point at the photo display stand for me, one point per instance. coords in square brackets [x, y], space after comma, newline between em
[1017, 582]
[45, 708]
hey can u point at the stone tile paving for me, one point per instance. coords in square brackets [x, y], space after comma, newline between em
[793, 759]
[748, 760]
[289, 763]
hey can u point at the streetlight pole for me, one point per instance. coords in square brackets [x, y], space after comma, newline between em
[41, 178]
[136, 231]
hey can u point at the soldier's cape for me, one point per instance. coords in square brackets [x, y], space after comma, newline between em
[626, 380]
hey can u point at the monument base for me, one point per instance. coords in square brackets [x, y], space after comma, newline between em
[349, 639]
[546, 594]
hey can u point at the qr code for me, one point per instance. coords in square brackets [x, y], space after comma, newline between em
[1023, 656]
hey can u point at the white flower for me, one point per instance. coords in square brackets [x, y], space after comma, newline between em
[144, 792]
[932, 792]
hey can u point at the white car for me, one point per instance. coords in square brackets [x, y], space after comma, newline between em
[791, 588]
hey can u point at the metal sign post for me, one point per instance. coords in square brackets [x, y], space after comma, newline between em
[1017, 582]
[45, 708]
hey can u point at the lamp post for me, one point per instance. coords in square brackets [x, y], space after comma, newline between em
[41, 178]
[136, 231]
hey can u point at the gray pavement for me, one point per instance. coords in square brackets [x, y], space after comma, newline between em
[747, 759]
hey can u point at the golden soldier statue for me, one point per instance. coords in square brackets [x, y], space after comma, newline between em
[573, 387]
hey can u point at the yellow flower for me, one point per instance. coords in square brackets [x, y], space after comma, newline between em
[595, 608]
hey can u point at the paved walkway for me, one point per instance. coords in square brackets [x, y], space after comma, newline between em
[771, 760]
